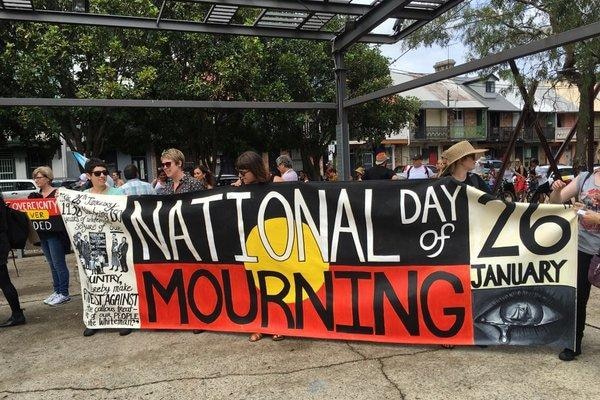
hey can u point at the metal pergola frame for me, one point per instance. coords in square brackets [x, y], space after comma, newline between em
[305, 19]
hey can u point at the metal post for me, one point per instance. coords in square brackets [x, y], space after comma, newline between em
[342, 130]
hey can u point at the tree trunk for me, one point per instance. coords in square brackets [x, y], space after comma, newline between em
[311, 162]
[585, 127]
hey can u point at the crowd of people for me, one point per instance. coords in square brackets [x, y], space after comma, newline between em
[458, 163]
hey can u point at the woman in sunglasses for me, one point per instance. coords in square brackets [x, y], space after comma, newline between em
[172, 161]
[251, 170]
[97, 174]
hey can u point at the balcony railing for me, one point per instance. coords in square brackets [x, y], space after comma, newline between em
[432, 133]
[467, 132]
[561, 133]
[530, 135]
[500, 133]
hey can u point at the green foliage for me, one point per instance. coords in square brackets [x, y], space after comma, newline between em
[40, 60]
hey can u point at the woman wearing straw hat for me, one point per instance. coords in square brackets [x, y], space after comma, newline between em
[360, 172]
[460, 160]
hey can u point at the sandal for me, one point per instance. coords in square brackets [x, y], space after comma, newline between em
[255, 337]
[277, 338]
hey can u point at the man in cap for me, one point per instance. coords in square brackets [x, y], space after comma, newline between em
[380, 170]
[418, 170]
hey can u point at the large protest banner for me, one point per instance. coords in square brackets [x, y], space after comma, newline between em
[405, 262]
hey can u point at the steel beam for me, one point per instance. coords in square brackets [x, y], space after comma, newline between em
[57, 102]
[342, 130]
[367, 23]
[315, 6]
[552, 42]
[432, 15]
[54, 17]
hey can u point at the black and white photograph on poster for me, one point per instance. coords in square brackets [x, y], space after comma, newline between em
[119, 248]
[525, 315]
[98, 252]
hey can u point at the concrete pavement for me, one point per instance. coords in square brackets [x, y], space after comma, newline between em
[49, 358]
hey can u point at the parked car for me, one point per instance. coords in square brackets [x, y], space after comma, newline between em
[17, 188]
[69, 183]
[566, 172]
[491, 164]
[226, 179]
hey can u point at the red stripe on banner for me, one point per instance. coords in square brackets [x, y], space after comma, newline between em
[408, 304]
[35, 205]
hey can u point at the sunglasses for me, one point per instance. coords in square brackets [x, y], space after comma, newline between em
[39, 177]
[166, 164]
[98, 173]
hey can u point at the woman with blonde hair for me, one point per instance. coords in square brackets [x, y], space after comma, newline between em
[55, 243]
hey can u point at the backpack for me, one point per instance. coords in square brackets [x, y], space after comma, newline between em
[411, 167]
[17, 223]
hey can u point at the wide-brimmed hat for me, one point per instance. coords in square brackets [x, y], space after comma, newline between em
[360, 170]
[381, 157]
[459, 150]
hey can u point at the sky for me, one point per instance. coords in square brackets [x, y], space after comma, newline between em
[420, 59]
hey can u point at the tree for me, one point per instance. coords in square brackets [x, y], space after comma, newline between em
[490, 26]
[82, 62]
[97, 62]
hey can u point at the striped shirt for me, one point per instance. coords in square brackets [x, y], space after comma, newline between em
[137, 187]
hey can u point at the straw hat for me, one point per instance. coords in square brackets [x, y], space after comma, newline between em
[360, 170]
[459, 150]
[380, 158]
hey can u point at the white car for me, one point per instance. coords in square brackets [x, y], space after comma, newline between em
[17, 188]
[566, 172]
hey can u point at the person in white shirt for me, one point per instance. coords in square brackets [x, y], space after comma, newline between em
[418, 170]
[541, 174]
[284, 165]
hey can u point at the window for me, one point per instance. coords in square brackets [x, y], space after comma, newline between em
[458, 115]
[7, 166]
[25, 185]
[490, 87]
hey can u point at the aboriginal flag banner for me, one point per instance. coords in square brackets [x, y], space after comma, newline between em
[429, 261]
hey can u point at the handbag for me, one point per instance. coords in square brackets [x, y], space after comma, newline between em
[594, 271]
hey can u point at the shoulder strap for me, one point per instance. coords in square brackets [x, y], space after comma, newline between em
[408, 172]
[427, 171]
[586, 178]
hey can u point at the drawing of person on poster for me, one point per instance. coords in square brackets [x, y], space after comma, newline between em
[122, 254]
[114, 255]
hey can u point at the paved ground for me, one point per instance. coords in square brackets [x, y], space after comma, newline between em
[49, 358]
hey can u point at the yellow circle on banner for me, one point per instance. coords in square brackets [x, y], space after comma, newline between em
[312, 268]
